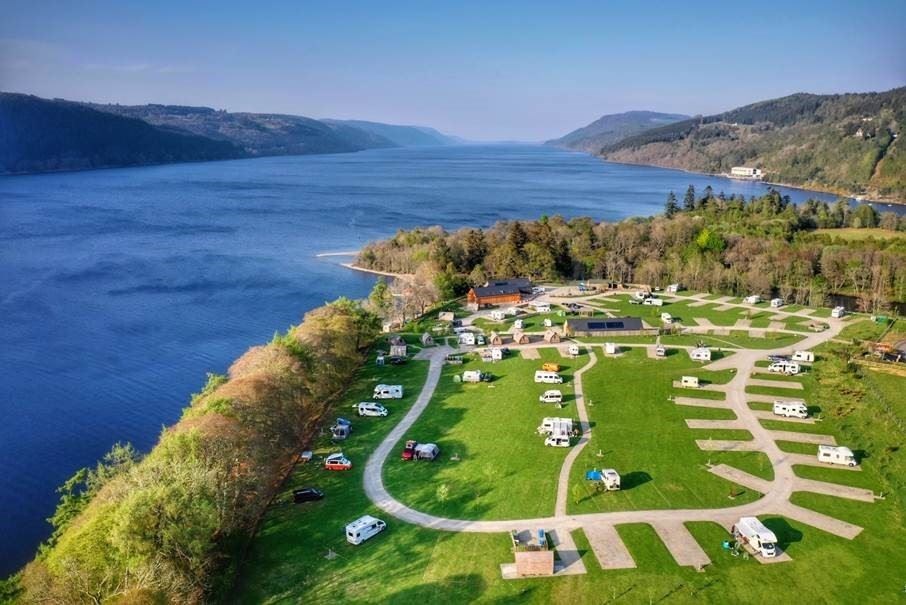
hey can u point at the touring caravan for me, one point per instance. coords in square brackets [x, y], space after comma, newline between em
[791, 409]
[689, 382]
[784, 367]
[471, 376]
[700, 354]
[806, 356]
[388, 391]
[754, 299]
[838, 312]
[426, 451]
[542, 307]
[836, 454]
[551, 396]
[467, 338]
[607, 479]
[498, 315]
[553, 426]
[653, 302]
[364, 528]
[518, 324]
[673, 288]
[548, 377]
[752, 532]
[776, 303]
[666, 318]
[573, 349]
[611, 348]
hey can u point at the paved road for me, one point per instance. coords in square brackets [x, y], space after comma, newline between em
[776, 492]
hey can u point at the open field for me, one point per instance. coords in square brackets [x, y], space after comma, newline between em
[852, 234]
[642, 434]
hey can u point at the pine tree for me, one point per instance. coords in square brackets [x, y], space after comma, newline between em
[689, 199]
[671, 207]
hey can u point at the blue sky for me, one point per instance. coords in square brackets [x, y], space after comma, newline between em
[482, 70]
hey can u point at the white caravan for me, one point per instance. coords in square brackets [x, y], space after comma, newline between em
[555, 426]
[573, 349]
[784, 367]
[364, 528]
[790, 409]
[542, 307]
[467, 338]
[611, 348]
[666, 318]
[776, 303]
[838, 312]
[673, 288]
[552, 396]
[426, 451]
[518, 324]
[388, 391]
[836, 454]
[653, 302]
[751, 531]
[548, 377]
[806, 356]
[754, 299]
[471, 376]
[689, 382]
[370, 408]
[700, 354]
[498, 315]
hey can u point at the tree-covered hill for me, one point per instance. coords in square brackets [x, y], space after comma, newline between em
[613, 128]
[403, 136]
[38, 135]
[847, 143]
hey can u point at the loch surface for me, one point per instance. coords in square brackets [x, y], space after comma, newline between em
[122, 288]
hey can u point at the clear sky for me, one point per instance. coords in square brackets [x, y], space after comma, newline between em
[482, 70]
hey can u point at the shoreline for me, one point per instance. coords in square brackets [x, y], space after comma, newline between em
[355, 267]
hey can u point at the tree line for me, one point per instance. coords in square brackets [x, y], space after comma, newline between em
[711, 242]
[167, 526]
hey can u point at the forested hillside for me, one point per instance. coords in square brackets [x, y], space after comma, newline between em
[849, 143]
[613, 128]
[403, 136]
[38, 135]
[764, 246]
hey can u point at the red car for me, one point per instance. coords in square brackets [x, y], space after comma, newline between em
[409, 450]
[337, 462]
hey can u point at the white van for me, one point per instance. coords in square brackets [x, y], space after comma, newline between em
[838, 312]
[836, 454]
[791, 409]
[784, 367]
[370, 408]
[806, 356]
[363, 529]
[558, 440]
[548, 377]
[689, 382]
[752, 532]
[552, 396]
[776, 303]
[388, 391]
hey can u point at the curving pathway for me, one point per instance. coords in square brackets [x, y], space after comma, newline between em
[669, 524]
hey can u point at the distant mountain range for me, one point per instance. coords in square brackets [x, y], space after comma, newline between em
[39, 135]
[612, 128]
[846, 143]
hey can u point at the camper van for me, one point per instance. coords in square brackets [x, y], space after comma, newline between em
[752, 532]
[806, 356]
[363, 529]
[426, 451]
[607, 478]
[552, 396]
[558, 440]
[640, 296]
[573, 349]
[611, 348]
[370, 408]
[790, 409]
[700, 354]
[388, 391]
[836, 454]
[660, 351]
[838, 312]
[784, 367]
[689, 382]
[653, 302]
[666, 318]
[548, 377]
[776, 303]
[554, 426]
[498, 315]
[754, 299]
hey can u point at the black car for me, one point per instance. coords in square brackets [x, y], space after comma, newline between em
[307, 494]
[397, 361]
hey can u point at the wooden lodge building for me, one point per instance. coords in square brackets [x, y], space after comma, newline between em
[500, 292]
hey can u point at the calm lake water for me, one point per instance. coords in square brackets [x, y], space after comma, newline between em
[122, 288]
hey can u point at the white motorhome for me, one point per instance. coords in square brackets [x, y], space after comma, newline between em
[542, 307]
[467, 338]
[784, 367]
[370, 408]
[573, 349]
[471, 376]
[363, 529]
[806, 356]
[660, 351]
[673, 288]
[607, 478]
[653, 302]
[611, 348]
[498, 315]
[791, 409]
[666, 318]
[689, 382]
[838, 312]
[552, 396]
[426, 451]
[554, 426]
[388, 391]
[548, 323]
[640, 295]
[752, 532]
[836, 454]
[776, 303]
[518, 324]
[754, 299]
[559, 440]
[700, 354]
[548, 377]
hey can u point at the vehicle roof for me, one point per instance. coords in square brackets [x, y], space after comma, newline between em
[361, 521]
[335, 456]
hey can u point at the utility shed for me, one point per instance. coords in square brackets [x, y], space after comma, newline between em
[606, 326]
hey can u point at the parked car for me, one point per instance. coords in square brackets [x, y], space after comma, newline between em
[409, 450]
[307, 494]
[396, 360]
[337, 462]
[550, 367]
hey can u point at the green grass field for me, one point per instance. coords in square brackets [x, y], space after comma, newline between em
[638, 430]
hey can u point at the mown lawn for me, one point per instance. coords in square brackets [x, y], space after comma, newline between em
[504, 471]
[643, 435]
